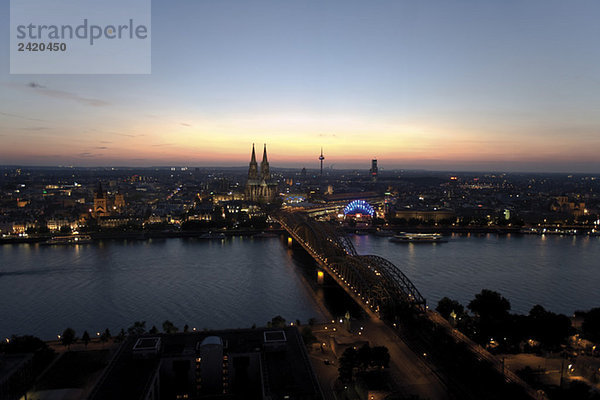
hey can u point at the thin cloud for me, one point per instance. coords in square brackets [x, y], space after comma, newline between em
[86, 155]
[36, 128]
[20, 117]
[184, 124]
[126, 134]
[101, 148]
[62, 94]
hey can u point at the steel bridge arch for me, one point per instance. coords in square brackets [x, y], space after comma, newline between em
[396, 280]
[320, 235]
[381, 285]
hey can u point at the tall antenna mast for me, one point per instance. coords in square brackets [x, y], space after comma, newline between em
[321, 158]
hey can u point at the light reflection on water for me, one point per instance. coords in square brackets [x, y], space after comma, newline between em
[240, 281]
[207, 284]
[560, 273]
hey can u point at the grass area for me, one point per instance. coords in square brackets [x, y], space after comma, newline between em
[74, 369]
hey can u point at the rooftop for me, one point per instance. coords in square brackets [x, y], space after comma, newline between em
[254, 366]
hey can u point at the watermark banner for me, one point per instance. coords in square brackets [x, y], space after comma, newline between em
[80, 37]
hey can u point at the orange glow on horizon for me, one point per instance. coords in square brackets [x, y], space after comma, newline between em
[291, 140]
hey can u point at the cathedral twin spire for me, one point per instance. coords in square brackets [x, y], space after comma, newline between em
[265, 173]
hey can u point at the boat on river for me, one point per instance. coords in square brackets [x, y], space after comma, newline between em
[418, 238]
[212, 235]
[68, 240]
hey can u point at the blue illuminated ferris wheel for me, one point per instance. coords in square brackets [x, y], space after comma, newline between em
[359, 207]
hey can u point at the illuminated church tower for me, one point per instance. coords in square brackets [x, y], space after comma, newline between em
[253, 169]
[265, 174]
[260, 186]
[100, 206]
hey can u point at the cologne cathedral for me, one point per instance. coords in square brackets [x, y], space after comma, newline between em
[260, 187]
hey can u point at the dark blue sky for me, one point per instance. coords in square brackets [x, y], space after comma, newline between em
[502, 85]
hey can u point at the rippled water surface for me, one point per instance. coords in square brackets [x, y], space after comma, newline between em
[240, 281]
[560, 273]
[207, 284]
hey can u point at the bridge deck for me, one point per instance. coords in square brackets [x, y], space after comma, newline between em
[376, 284]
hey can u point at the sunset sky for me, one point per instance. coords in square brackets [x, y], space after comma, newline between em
[452, 85]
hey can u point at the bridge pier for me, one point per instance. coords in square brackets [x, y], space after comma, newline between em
[320, 277]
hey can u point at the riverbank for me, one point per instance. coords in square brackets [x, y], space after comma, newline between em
[142, 235]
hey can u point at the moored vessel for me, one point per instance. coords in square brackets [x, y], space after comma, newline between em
[418, 238]
[68, 239]
[212, 235]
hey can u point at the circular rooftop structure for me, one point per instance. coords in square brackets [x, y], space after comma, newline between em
[359, 207]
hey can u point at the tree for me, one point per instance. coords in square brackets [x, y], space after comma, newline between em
[489, 304]
[42, 353]
[22, 344]
[85, 338]
[348, 361]
[363, 357]
[380, 357]
[121, 336]
[153, 330]
[186, 328]
[278, 322]
[168, 327]
[591, 324]
[492, 317]
[105, 336]
[138, 328]
[547, 327]
[307, 336]
[68, 338]
[446, 306]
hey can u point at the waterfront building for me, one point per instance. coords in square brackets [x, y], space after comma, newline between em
[119, 205]
[100, 203]
[563, 204]
[424, 215]
[260, 186]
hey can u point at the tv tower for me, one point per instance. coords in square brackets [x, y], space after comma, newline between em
[321, 158]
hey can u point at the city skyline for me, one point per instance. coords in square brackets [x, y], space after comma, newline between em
[441, 86]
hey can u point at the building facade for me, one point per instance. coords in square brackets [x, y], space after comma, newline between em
[100, 203]
[260, 187]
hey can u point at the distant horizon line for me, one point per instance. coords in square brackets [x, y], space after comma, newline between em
[382, 171]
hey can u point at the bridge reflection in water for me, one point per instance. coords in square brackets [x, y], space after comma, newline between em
[372, 281]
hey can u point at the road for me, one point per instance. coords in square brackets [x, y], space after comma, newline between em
[409, 373]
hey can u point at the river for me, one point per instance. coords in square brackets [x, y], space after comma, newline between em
[240, 281]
